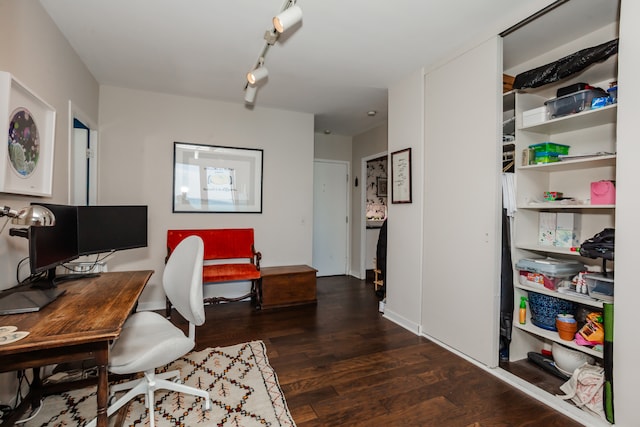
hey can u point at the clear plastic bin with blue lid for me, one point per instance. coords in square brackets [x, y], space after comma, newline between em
[547, 272]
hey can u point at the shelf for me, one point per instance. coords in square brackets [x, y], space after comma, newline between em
[553, 336]
[575, 164]
[586, 300]
[586, 119]
[548, 249]
[546, 205]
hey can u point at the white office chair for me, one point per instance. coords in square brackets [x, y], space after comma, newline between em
[149, 341]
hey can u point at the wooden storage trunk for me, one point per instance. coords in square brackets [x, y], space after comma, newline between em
[287, 285]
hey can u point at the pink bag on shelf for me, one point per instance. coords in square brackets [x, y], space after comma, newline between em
[603, 193]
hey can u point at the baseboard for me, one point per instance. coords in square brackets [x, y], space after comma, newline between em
[402, 321]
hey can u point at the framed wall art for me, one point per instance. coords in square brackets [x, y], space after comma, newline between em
[401, 176]
[28, 123]
[216, 179]
[381, 187]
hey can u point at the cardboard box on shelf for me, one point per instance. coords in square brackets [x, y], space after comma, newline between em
[547, 222]
[567, 230]
[534, 116]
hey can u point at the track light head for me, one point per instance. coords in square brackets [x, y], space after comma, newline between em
[287, 18]
[257, 74]
[250, 94]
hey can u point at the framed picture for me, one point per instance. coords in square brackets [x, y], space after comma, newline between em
[28, 123]
[381, 187]
[216, 179]
[401, 176]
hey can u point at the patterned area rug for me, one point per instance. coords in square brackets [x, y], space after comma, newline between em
[243, 387]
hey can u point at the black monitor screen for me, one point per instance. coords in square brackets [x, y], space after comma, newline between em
[55, 245]
[111, 228]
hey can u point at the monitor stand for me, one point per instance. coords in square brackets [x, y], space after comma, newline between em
[48, 282]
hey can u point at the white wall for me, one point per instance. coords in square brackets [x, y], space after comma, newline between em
[36, 53]
[138, 130]
[332, 147]
[404, 227]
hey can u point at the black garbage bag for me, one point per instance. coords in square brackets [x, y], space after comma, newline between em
[566, 66]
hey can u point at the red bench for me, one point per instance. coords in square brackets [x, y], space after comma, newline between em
[229, 256]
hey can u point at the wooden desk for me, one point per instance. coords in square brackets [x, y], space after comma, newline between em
[79, 325]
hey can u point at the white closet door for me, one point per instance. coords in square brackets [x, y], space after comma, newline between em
[462, 196]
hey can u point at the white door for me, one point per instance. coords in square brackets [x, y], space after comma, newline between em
[330, 217]
[462, 202]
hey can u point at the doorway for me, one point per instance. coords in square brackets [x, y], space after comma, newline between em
[370, 195]
[330, 217]
[83, 161]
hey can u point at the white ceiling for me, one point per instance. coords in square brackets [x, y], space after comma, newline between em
[336, 65]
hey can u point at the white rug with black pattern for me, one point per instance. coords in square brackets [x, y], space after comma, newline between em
[243, 387]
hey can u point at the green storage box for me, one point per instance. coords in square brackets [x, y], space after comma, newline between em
[550, 147]
[545, 157]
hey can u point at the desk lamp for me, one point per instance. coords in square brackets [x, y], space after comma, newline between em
[34, 215]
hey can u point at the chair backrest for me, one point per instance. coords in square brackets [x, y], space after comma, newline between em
[182, 279]
[220, 243]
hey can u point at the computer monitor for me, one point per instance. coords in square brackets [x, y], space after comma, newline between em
[111, 228]
[52, 246]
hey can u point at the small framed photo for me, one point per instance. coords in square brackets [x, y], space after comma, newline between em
[401, 176]
[381, 187]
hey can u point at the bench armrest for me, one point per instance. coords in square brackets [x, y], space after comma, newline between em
[257, 256]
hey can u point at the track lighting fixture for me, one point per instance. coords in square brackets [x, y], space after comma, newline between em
[287, 18]
[250, 94]
[257, 74]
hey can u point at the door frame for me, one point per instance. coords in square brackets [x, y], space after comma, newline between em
[363, 208]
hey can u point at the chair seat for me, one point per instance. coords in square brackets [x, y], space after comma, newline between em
[147, 341]
[229, 272]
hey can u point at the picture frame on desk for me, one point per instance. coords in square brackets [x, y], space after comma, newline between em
[401, 176]
[216, 179]
[29, 124]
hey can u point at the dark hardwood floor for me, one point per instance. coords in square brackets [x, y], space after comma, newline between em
[340, 363]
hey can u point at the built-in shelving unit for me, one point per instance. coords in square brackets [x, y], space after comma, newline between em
[591, 136]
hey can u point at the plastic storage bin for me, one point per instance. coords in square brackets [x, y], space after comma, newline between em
[547, 272]
[546, 157]
[550, 147]
[573, 103]
[599, 286]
